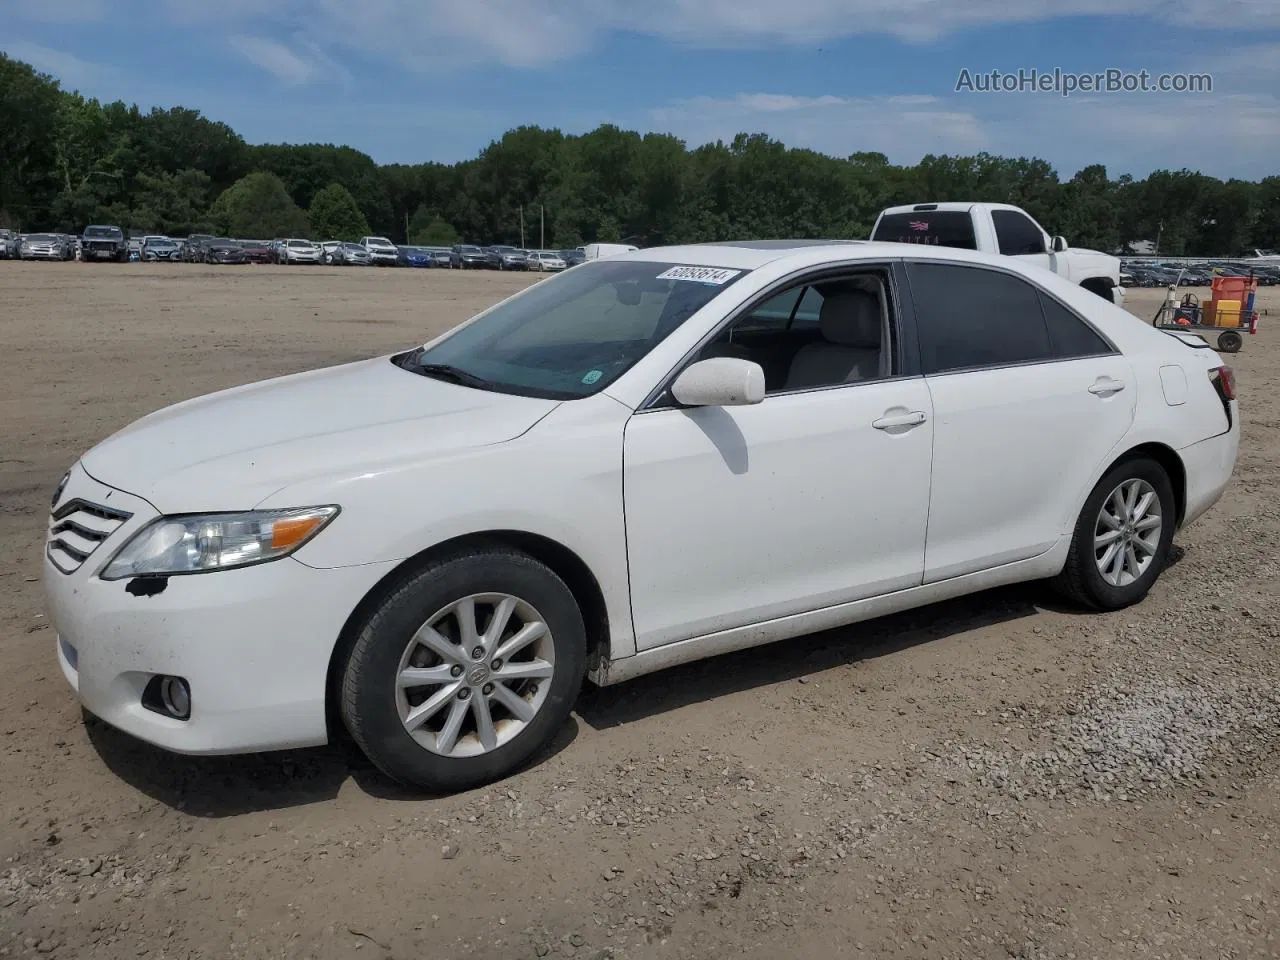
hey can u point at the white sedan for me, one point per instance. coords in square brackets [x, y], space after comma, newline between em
[545, 261]
[646, 460]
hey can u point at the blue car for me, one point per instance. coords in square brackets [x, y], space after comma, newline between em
[415, 257]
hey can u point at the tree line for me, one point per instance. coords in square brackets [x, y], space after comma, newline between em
[67, 161]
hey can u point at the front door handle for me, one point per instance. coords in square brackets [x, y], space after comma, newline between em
[1105, 387]
[912, 419]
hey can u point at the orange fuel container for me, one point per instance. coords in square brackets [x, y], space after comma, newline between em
[1234, 288]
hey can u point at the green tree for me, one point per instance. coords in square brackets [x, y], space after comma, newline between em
[1266, 230]
[257, 206]
[66, 160]
[429, 229]
[179, 138]
[334, 215]
[306, 169]
[173, 203]
[28, 117]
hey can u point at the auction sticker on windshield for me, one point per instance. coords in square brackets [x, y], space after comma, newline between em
[712, 275]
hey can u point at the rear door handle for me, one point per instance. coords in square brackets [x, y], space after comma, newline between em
[912, 419]
[1106, 387]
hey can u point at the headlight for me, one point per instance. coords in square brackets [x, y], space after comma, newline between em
[216, 541]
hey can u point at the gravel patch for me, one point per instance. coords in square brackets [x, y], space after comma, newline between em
[1127, 740]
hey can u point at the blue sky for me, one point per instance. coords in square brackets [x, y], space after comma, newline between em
[414, 80]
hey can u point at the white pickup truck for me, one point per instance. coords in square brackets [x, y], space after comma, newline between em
[1004, 229]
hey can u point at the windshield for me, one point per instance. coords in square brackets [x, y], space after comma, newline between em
[101, 232]
[42, 238]
[381, 242]
[573, 334]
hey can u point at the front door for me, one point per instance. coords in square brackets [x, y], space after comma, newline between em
[816, 496]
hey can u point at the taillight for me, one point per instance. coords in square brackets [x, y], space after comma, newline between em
[1224, 378]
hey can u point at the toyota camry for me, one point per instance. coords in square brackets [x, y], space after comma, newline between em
[646, 460]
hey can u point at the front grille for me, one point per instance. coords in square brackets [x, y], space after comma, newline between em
[77, 529]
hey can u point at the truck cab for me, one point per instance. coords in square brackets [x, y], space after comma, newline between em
[1004, 229]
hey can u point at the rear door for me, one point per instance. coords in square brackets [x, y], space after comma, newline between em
[1029, 400]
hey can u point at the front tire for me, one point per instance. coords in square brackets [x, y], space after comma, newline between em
[465, 670]
[1122, 537]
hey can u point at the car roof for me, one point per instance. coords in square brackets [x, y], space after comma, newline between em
[753, 254]
[951, 206]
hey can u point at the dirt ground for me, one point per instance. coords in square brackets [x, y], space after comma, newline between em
[990, 778]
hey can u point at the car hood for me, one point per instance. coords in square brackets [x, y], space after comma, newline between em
[1086, 252]
[232, 449]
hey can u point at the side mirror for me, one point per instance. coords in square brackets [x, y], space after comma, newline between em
[720, 382]
[1059, 245]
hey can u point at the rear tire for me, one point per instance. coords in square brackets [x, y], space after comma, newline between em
[1230, 342]
[1122, 537]
[450, 727]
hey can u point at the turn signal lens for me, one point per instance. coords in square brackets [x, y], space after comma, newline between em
[294, 531]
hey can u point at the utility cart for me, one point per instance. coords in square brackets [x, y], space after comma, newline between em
[1230, 313]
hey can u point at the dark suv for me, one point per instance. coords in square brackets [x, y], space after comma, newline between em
[467, 256]
[104, 243]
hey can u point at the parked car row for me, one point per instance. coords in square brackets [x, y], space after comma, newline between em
[113, 243]
[1153, 273]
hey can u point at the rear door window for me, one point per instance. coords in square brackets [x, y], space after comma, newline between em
[1071, 336]
[970, 318]
[941, 228]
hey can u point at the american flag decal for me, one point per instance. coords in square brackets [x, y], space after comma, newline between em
[918, 225]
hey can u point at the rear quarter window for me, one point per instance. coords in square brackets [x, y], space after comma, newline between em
[939, 228]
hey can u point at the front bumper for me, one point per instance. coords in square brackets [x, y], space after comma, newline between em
[253, 644]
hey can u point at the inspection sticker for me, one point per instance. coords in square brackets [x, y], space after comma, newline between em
[712, 275]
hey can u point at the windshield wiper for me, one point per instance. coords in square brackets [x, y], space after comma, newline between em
[446, 371]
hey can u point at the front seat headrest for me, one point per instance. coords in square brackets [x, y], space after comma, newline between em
[851, 319]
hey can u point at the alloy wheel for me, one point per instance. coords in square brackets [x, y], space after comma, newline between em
[1127, 533]
[475, 674]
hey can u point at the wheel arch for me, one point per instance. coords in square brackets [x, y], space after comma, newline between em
[1168, 458]
[1100, 285]
[562, 561]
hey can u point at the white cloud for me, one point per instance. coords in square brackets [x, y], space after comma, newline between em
[898, 126]
[306, 64]
[73, 72]
[275, 58]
